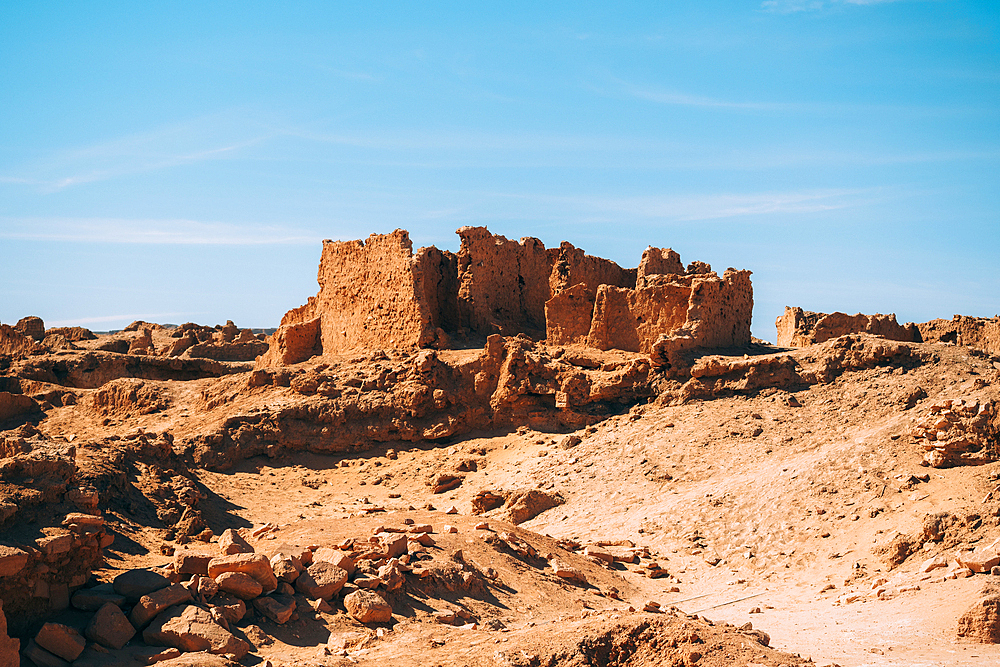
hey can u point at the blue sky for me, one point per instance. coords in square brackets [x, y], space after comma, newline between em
[182, 161]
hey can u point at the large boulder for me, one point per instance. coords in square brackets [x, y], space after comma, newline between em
[982, 621]
[149, 606]
[368, 607]
[61, 640]
[191, 628]
[133, 584]
[109, 627]
[321, 580]
[256, 565]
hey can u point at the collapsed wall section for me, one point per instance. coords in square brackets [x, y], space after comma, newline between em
[800, 328]
[982, 333]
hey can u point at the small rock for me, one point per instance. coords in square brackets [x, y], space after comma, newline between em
[232, 608]
[231, 542]
[568, 573]
[570, 441]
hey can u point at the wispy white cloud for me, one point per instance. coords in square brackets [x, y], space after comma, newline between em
[692, 208]
[685, 99]
[793, 6]
[216, 137]
[149, 231]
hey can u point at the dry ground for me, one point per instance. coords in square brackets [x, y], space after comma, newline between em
[762, 509]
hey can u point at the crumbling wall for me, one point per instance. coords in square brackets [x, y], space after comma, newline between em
[657, 262]
[982, 333]
[377, 294]
[16, 344]
[799, 328]
[504, 284]
[572, 266]
[568, 315]
[368, 295]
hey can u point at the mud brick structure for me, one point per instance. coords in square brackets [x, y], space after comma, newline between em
[379, 294]
[801, 328]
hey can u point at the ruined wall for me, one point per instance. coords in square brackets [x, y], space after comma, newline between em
[368, 297]
[437, 284]
[656, 262]
[799, 328]
[377, 294]
[568, 315]
[572, 266]
[982, 333]
[708, 310]
[16, 344]
[504, 284]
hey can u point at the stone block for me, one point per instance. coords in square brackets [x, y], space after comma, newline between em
[61, 640]
[109, 627]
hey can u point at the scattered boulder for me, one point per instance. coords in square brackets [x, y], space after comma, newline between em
[149, 606]
[368, 607]
[40, 657]
[232, 608]
[982, 621]
[279, 608]
[568, 573]
[61, 640]
[231, 542]
[520, 505]
[133, 584]
[286, 568]
[256, 565]
[239, 584]
[523, 505]
[321, 580]
[188, 562]
[8, 645]
[109, 627]
[191, 628]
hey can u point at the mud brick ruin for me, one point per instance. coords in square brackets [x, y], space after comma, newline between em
[379, 294]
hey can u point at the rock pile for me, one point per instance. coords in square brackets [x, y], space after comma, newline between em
[203, 600]
[957, 431]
